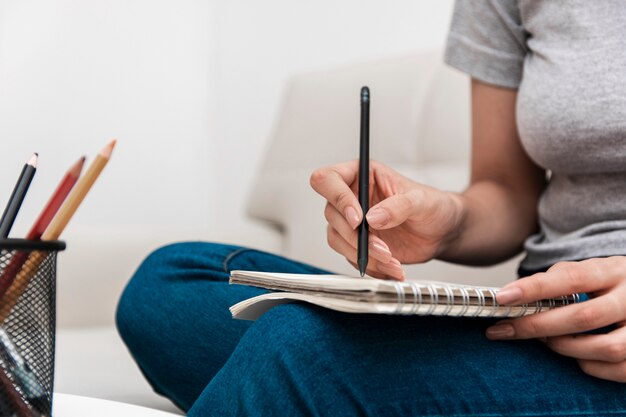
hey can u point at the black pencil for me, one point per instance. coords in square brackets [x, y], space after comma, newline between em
[364, 180]
[17, 197]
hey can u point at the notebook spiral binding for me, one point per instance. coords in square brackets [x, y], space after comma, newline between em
[411, 300]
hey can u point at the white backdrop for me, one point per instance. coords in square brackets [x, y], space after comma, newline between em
[189, 87]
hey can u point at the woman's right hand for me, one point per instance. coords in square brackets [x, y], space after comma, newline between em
[409, 222]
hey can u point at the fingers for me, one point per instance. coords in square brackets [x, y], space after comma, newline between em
[333, 183]
[392, 211]
[602, 356]
[575, 318]
[377, 247]
[610, 347]
[564, 278]
[391, 269]
[605, 370]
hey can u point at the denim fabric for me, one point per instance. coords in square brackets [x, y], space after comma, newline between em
[300, 360]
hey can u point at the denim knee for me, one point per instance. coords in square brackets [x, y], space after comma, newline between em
[173, 317]
[177, 260]
[148, 274]
[138, 304]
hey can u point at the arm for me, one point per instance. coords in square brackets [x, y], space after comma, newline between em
[498, 210]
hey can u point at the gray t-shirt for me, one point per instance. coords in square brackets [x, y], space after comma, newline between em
[567, 59]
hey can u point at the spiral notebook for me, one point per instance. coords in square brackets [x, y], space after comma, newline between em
[370, 295]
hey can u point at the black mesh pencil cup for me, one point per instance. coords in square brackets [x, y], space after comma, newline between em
[27, 326]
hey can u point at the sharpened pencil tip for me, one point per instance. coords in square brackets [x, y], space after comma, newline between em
[77, 168]
[108, 150]
[33, 160]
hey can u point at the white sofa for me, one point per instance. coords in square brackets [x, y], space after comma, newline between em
[420, 125]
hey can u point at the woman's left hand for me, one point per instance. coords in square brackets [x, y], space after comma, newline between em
[604, 279]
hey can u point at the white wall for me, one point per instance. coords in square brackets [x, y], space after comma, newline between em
[189, 87]
[74, 74]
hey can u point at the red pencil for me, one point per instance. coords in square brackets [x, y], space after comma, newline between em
[57, 199]
[42, 222]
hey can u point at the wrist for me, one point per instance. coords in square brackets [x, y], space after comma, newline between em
[458, 220]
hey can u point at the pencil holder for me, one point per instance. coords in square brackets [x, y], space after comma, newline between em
[27, 326]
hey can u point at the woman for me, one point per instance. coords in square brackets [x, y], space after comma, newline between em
[548, 175]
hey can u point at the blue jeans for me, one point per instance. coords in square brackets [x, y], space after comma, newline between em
[300, 360]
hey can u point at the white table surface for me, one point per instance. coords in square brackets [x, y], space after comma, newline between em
[66, 405]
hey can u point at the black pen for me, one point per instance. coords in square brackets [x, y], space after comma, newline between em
[19, 192]
[364, 180]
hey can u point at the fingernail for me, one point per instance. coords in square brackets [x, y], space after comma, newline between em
[393, 268]
[381, 248]
[398, 266]
[393, 265]
[377, 217]
[395, 262]
[352, 216]
[509, 295]
[501, 331]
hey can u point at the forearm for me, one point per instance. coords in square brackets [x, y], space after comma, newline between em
[493, 223]
[498, 211]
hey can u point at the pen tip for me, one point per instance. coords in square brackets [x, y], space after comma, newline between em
[365, 93]
[362, 263]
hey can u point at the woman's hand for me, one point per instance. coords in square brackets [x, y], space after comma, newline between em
[603, 355]
[409, 222]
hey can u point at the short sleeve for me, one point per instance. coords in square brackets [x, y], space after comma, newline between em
[487, 41]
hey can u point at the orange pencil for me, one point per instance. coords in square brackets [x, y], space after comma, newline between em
[54, 230]
[42, 222]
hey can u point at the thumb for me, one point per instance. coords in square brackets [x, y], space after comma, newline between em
[391, 212]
